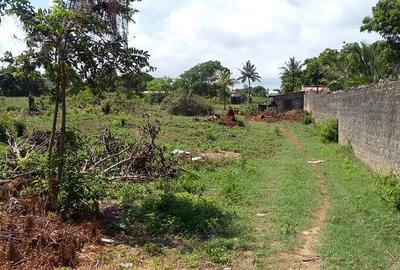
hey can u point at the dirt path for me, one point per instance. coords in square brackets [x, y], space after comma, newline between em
[306, 257]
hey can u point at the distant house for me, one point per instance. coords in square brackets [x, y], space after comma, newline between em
[237, 98]
[316, 88]
[289, 101]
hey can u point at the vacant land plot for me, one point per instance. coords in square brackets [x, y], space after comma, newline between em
[263, 206]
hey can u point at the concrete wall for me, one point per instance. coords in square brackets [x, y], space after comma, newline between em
[369, 119]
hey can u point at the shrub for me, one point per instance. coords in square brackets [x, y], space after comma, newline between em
[187, 105]
[168, 212]
[106, 107]
[155, 98]
[6, 124]
[329, 131]
[308, 119]
[230, 188]
[190, 183]
[390, 186]
[79, 193]
[251, 109]
[20, 128]
[83, 98]
[3, 131]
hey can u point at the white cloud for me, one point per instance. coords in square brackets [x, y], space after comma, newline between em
[11, 35]
[266, 31]
[181, 33]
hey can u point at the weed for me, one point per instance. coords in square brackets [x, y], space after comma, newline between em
[20, 128]
[308, 119]
[230, 188]
[329, 130]
[152, 249]
[219, 251]
[180, 213]
[106, 107]
[187, 104]
[251, 109]
[390, 186]
[240, 123]
[277, 131]
[190, 183]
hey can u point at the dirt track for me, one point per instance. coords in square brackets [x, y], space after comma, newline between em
[306, 257]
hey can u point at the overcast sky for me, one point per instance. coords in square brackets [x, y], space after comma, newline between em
[181, 33]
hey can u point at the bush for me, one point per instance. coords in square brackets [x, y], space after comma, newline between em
[84, 98]
[155, 98]
[187, 105]
[251, 109]
[230, 188]
[3, 131]
[390, 186]
[167, 212]
[308, 119]
[20, 128]
[329, 131]
[241, 123]
[106, 107]
[190, 183]
[79, 193]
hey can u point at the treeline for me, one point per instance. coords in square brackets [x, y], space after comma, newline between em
[355, 63]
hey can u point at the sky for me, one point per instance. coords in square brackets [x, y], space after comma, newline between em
[182, 33]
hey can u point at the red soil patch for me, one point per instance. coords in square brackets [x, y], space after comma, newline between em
[273, 116]
[229, 119]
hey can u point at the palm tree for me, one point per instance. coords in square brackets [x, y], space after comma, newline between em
[370, 64]
[224, 80]
[293, 70]
[249, 74]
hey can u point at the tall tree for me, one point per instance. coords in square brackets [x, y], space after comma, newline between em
[291, 75]
[369, 61]
[249, 73]
[225, 81]
[22, 70]
[66, 39]
[199, 79]
[385, 20]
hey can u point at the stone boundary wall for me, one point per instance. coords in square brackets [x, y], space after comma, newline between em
[369, 119]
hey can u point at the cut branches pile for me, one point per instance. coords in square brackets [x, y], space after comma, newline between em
[108, 156]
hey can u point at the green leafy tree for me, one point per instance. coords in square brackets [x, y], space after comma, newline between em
[369, 61]
[69, 39]
[159, 85]
[385, 20]
[27, 80]
[225, 81]
[292, 75]
[199, 79]
[134, 82]
[259, 91]
[249, 74]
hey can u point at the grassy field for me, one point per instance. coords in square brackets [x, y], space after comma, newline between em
[245, 213]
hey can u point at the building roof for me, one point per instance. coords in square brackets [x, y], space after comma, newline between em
[288, 94]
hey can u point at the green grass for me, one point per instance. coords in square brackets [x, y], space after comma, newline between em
[361, 230]
[270, 194]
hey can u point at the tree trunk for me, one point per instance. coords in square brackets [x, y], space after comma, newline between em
[55, 116]
[61, 148]
[52, 179]
[225, 96]
[250, 101]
